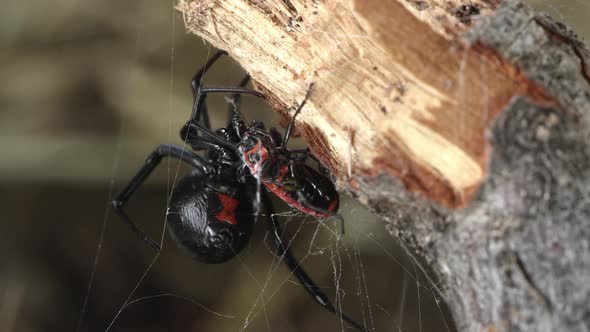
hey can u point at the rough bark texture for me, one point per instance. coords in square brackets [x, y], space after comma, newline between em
[504, 98]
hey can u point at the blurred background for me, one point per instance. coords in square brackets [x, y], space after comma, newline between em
[88, 89]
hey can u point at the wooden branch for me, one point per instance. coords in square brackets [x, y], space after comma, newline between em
[423, 107]
[403, 99]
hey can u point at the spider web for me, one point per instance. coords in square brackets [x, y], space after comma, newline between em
[372, 278]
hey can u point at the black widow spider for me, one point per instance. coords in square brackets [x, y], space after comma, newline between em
[211, 212]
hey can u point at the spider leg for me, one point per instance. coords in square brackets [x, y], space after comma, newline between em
[197, 82]
[190, 134]
[292, 122]
[205, 120]
[234, 106]
[204, 91]
[199, 107]
[198, 78]
[198, 164]
[310, 286]
[209, 140]
[199, 113]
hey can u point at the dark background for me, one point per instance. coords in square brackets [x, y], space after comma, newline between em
[88, 89]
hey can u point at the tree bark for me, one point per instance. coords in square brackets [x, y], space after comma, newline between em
[465, 126]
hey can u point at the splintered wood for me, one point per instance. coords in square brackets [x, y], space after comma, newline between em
[396, 89]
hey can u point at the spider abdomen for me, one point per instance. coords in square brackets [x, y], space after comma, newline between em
[211, 224]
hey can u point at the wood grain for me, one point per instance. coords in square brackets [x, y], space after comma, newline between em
[395, 75]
